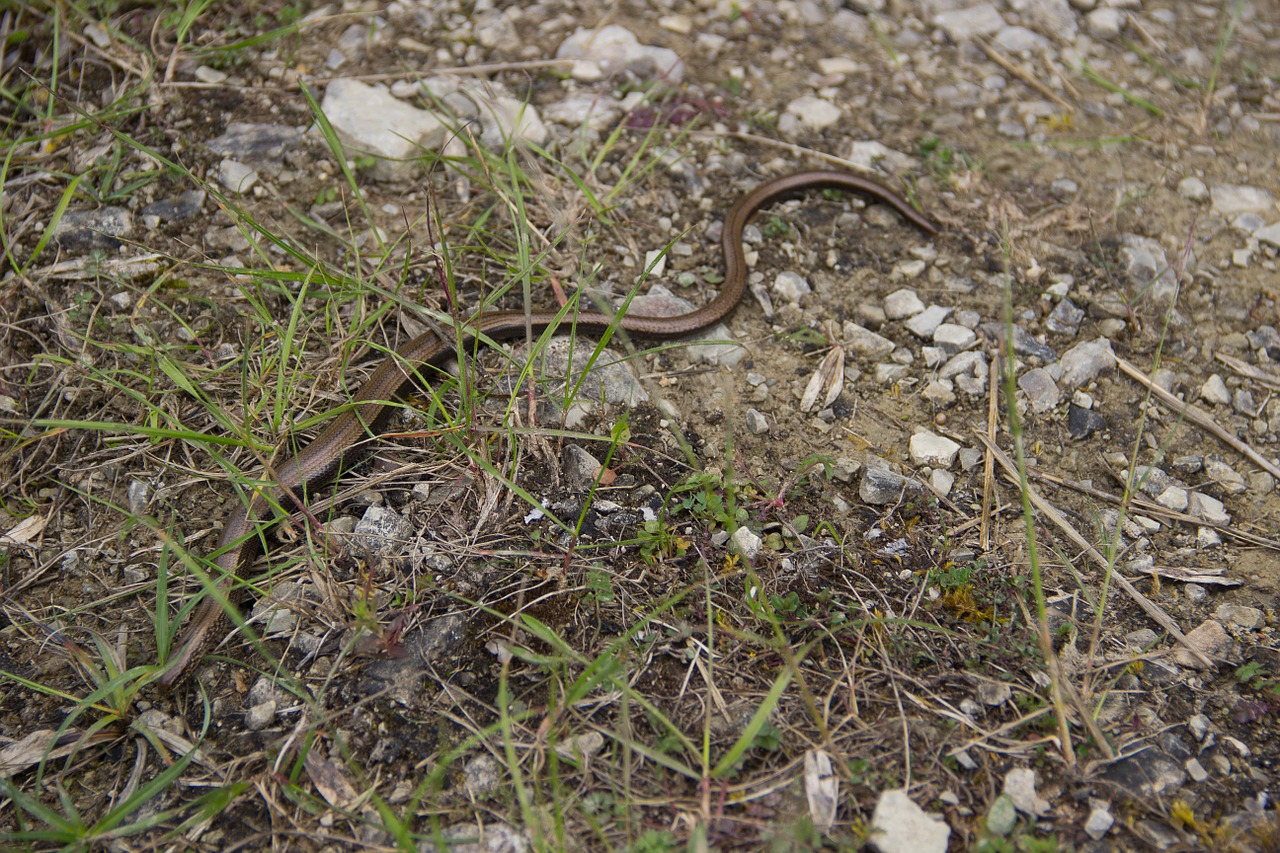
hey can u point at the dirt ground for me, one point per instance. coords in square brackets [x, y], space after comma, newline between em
[587, 625]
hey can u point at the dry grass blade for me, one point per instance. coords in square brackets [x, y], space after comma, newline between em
[1258, 374]
[1087, 547]
[1199, 417]
[1024, 75]
[1151, 508]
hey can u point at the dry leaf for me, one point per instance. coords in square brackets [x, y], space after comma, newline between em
[24, 531]
[821, 788]
[827, 380]
[330, 781]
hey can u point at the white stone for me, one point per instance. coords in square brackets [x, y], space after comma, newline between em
[924, 324]
[614, 48]
[962, 24]
[745, 544]
[814, 113]
[1215, 391]
[1230, 199]
[901, 304]
[1208, 508]
[936, 451]
[1105, 23]
[898, 825]
[865, 342]
[791, 286]
[1193, 189]
[1099, 823]
[236, 177]
[953, 337]
[369, 120]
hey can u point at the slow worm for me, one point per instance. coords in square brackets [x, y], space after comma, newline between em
[343, 439]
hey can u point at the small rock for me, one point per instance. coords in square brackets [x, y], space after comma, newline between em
[1020, 785]
[924, 324]
[1211, 639]
[481, 775]
[942, 481]
[1215, 391]
[262, 146]
[85, 230]
[902, 304]
[1239, 615]
[1174, 498]
[1019, 40]
[1086, 361]
[962, 24]
[1193, 189]
[1227, 478]
[814, 113]
[613, 49]
[260, 716]
[874, 156]
[881, 486]
[236, 177]
[1099, 823]
[745, 544]
[1269, 234]
[994, 694]
[1230, 199]
[940, 392]
[865, 342]
[1082, 423]
[381, 531]
[1042, 392]
[936, 451]
[1105, 23]
[1207, 537]
[898, 825]
[1002, 817]
[954, 338]
[966, 363]
[174, 209]
[1065, 318]
[1208, 508]
[1141, 639]
[757, 423]
[1024, 343]
[139, 493]
[1261, 483]
[580, 468]
[369, 120]
[791, 286]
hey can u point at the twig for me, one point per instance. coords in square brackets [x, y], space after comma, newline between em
[1198, 417]
[989, 463]
[785, 146]
[1151, 508]
[1051, 512]
[1024, 75]
[1267, 377]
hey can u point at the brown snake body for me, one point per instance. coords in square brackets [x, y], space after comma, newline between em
[336, 445]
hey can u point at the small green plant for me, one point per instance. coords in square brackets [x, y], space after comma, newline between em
[655, 841]
[952, 576]
[942, 160]
[660, 542]
[776, 227]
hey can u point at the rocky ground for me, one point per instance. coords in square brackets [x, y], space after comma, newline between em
[771, 587]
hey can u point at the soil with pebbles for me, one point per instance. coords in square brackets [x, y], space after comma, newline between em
[1074, 155]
